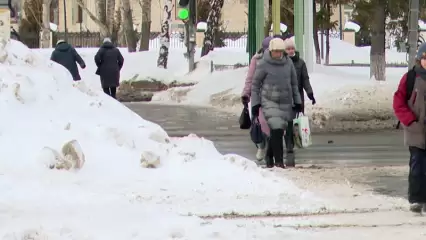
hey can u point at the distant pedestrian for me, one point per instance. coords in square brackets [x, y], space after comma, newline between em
[67, 56]
[109, 62]
[303, 84]
[245, 97]
[409, 104]
[275, 92]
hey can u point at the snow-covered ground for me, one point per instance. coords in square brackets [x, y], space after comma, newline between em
[115, 194]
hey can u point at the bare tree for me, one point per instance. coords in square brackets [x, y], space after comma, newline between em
[212, 26]
[377, 51]
[45, 34]
[108, 24]
[146, 24]
[130, 33]
[165, 34]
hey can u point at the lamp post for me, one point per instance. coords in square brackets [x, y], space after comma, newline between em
[309, 34]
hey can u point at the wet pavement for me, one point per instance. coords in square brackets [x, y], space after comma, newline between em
[345, 149]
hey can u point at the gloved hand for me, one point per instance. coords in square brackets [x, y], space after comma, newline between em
[245, 99]
[83, 66]
[297, 108]
[311, 97]
[255, 110]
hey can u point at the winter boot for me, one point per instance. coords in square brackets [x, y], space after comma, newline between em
[416, 207]
[269, 156]
[278, 147]
[260, 154]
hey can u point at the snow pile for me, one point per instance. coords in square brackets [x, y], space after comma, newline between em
[342, 93]
[72, 158]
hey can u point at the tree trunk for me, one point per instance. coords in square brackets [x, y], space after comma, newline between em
[212, 24]
[327, 33]
[101, 15]
[45, 38]
[128, 26]
[163, 56]
[316, 41]
[268, 19]
[377, 51]
[146, 24]
[110, 15]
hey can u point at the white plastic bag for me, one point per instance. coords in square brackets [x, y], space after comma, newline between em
[302, 131]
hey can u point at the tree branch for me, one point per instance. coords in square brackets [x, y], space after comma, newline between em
[91, 15]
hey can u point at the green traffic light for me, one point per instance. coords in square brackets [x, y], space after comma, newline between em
[183, 14]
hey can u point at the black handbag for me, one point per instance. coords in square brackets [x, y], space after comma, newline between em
[245, 122]
[256, 132]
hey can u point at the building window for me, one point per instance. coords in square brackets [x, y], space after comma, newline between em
[77, 13]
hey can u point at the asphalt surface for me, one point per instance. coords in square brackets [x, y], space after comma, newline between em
[345, 149]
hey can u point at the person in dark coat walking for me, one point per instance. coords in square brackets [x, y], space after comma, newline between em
[68, 57]
[109, 62]
[303, 84]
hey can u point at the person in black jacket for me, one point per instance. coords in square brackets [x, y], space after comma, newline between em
[109, 61]
[304, 84]
[68, 57]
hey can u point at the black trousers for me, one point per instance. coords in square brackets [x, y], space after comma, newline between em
[417, 176]
[112, 91]
[288, 138]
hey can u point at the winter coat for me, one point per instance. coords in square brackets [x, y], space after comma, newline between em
[275, 88]
[411, 113]
[247, 90]
[302, 76]
[68, 57]
[109, 62]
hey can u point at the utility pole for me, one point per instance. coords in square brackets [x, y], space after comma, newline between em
[251, 39]
[340, 21]
[260, 22]
[276, 17]
[413, 32]
[308, 34]
[298, 26]
[65, 21]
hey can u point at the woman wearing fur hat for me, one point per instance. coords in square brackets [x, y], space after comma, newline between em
[245, 96]
[275, 89]
[303, 84]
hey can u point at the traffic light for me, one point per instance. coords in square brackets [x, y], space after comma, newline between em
[187, 10]
[183, 11]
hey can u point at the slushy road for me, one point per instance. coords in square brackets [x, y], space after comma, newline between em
[329, 150]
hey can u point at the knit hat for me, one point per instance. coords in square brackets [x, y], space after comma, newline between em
[265, 43]
[276, 44]
[107, 40]
[421, 52]
[60, 41]
[289, 43]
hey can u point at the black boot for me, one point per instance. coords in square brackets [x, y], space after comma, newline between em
[269, 157]
[277, 147]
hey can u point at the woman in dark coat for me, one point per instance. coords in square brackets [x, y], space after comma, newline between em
[68, 57]
[303, 85]
[109, 62]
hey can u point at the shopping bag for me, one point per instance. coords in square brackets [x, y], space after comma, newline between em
[302, 131]
[256, 131]
[245, 122]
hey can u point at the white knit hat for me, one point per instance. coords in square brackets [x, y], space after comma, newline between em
[107, 39]
[276, 44]
[289, 43]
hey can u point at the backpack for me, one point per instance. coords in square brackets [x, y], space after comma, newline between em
[409, 84]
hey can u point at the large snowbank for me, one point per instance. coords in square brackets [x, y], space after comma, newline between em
[114, 195]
